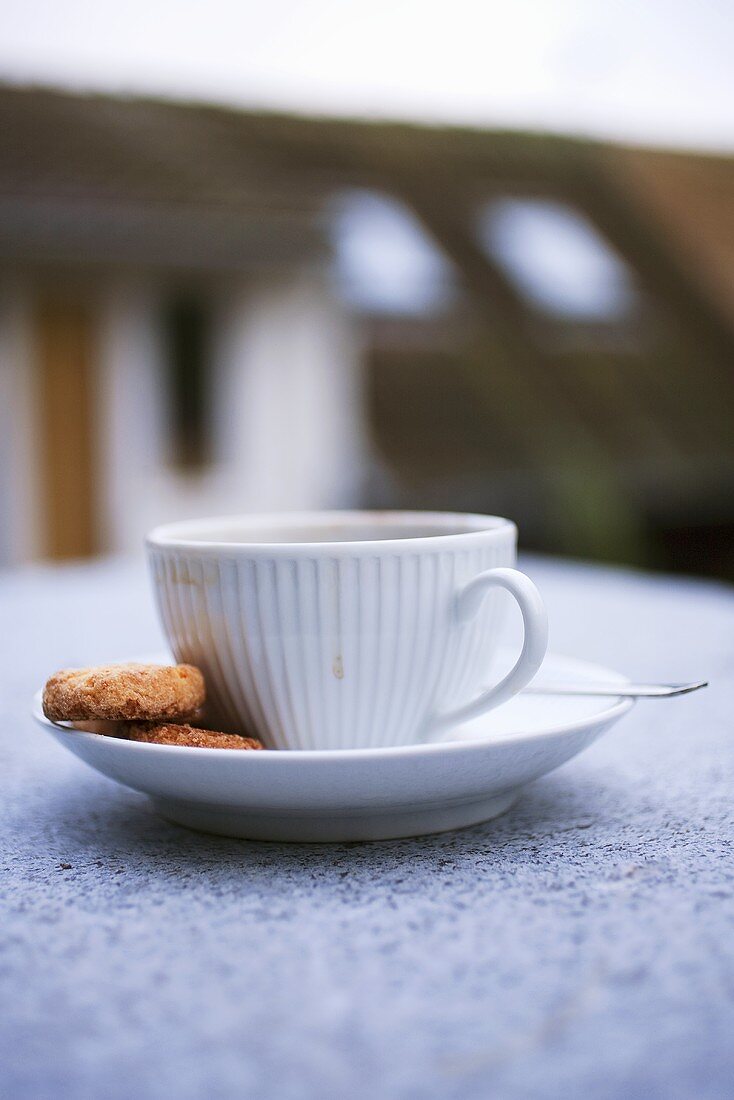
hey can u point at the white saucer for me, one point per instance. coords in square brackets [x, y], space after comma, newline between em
[361, 794]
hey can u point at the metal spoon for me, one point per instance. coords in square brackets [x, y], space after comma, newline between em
[628, 691]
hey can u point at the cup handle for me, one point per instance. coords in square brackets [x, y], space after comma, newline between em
[535, 641]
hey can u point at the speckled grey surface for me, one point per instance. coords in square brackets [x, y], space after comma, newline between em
[581, 946]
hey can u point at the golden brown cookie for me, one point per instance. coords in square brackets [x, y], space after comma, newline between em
[169, 733]
[124, 693]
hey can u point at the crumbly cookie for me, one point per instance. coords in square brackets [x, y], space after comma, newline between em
[169, 733]
[130, 692]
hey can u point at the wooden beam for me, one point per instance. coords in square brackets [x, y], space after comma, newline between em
[64, 358]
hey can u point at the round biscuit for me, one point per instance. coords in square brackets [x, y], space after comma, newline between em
[129, 692]
[168, 733]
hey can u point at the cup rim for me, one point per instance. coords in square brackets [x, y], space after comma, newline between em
[187, 534]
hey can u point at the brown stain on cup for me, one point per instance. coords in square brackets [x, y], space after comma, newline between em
[180, 573]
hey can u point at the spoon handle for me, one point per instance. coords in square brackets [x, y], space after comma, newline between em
[628, 691]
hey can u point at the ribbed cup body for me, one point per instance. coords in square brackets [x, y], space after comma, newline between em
[341, 645]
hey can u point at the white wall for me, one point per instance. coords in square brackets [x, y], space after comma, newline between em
[129, 399]
[293, 416]
[288, 408]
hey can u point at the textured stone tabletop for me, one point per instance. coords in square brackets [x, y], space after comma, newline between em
[580, 946]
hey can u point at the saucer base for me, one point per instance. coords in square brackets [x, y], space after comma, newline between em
[336, 826]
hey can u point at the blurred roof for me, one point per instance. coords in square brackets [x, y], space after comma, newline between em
[97, 178]
[90, 179]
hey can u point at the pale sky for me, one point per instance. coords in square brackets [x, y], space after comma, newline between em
[657, 71]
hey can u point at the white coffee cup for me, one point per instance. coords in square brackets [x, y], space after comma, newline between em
[340, 630]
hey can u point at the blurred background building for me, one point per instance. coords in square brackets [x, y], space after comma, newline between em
[211, 309]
